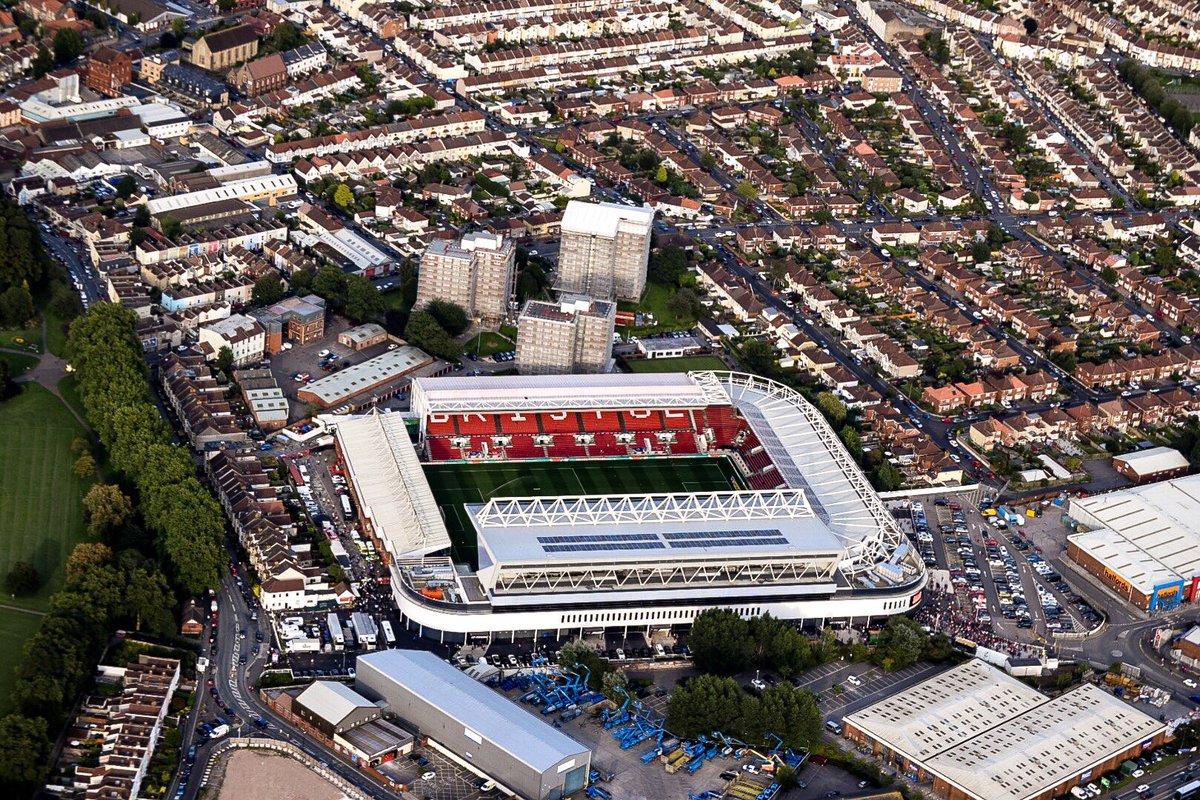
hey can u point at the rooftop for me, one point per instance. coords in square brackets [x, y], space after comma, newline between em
[995, 738]
[332, 701]
[342, 385]
[604, 219]
[380, 460]
[1146, 534]
[1155, 459]
[484, 712]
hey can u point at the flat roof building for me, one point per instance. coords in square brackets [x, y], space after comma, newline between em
[1143, 543]
[363, 336]
[478, 272]
[1153, 464]
[375, 375]
[574, 335]
[604, 250]
[981, 734]
[499, 738]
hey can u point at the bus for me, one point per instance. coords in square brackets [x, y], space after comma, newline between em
[388, 635]
[1187, 790]
[346, 506]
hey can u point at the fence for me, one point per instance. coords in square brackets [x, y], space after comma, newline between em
[288, 749]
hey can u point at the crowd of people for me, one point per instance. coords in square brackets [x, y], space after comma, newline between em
[945, 612]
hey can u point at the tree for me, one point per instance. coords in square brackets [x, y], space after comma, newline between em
[779, 646]
[106, 509]
[24, 754]
[902, 642]
[887, 478]
[667, 265]
[363, 300]
[661, 175]
[126, 186]
[302, 281]
[1030, 198]
[704, 704]
[981, 252]
[760, 357]
[170, 226]
[579, 656]
[68, 44]
[720, 642]
[85, 467]
[225, 361]
[22, 579]
[746, 191]
[425, 332]
[791, 714]
[179, 28]
[16, 307]
[330, 283]
[43, 62]
[833, 409]
[450, 316]
[1108, 275]
[685, 304]
[285, 36]
[614, 685]
[85, 556]
[268, 290]
[343, 196]
[1064, 360]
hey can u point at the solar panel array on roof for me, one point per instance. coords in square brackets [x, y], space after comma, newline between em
[595, 543]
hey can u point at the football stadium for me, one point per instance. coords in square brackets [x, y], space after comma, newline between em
[557, 505]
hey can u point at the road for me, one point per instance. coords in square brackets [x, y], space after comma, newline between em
[81, 272]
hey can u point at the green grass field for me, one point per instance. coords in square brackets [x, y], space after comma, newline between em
[457, 484]
[15, 628]
[42, 518]
[685, 364]
[19, 364]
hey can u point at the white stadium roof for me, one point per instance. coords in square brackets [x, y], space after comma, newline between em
[809, 456]
[382, 464]
[995, 738]
[658, 527]
[1147, 535]
[517, 393]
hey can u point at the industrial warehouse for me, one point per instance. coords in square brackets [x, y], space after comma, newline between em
[980, 734]
[795, 530]
[475, 725]
[1143, 542]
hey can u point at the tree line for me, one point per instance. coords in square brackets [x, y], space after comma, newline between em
[184, 518]
[116, 578]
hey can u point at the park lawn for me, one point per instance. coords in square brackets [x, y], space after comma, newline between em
[68, 387]
[393, 300]
[685, 364]
[488, 343]
[16, 627]
[654, 301]
[56, 334]
[454, 485]
[19, 364]
[27, 339]
[40, 495]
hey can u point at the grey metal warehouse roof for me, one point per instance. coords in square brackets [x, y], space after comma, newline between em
[473, 705]
[332, 701]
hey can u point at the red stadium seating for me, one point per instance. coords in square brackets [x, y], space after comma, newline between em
[685, 444]
[678, 420]
[514, 423]
[641, 421]
[606, 445]
[567, 422]
[600, 420]
[724, 423]
[565, 447]
[476, 424]
[523, 447]
[440, 450]
[440, 425]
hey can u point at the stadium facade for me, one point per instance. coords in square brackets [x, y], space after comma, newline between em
[803, 537]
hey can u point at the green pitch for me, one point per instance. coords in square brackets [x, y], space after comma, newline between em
[455, 485]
